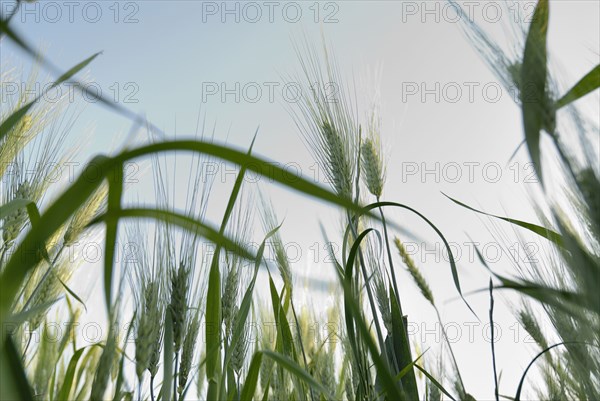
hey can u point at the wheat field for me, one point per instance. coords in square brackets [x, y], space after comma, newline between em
[181, 322]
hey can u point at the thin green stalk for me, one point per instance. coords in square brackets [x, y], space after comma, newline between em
[300, 339]
[175, 376]
[390, 260]
[152, 388]
[492, 342]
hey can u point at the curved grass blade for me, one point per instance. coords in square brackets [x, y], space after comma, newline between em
[438, 232]
[522, 381]
[65, 390]
[589, 83]
[251, 163]
[547, 233]
[72, 293]
[435, 382]
[409, 367]
[546, 295]
[185, 222]
[26, 256]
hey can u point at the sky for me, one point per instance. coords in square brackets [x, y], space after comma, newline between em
[447, 124]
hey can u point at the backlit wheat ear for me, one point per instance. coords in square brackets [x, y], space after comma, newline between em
[238, 355]
[47, 350]
[589, 185]
[230, 296]
[188, 352]
[383, 301]
[372, 167]
[381, 290]
[531, 326]
[85, 214]
[49, 291]
[178, 304]
[341, 168]
[148, 328]
[327, 121]
[415, 272]
[14, 223]
[105, 366]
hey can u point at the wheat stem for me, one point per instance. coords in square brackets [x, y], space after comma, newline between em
[175, 376]
[389, 252]
[152, 388]
[300, 339]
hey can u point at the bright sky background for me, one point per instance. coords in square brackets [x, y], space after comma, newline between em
[165, 56]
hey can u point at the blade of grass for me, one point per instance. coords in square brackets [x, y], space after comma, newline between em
[213, 302]
[534, 73]
[249, 387]
[550, 235]
[589, 83]
[402, 348]
[492, 342]
[65, 390]
[435, 382]
[522, 381]
[115, 192]
[165, 391]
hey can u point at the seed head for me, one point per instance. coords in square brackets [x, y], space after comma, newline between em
[339, 168]
[229, 299]
[178, 306]
[372, 167]
[415, 272]
[532, 327]
[14, 222]
[383, 301]
[148, 330]
[238, 355]
[85, 214]
[187, 355]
